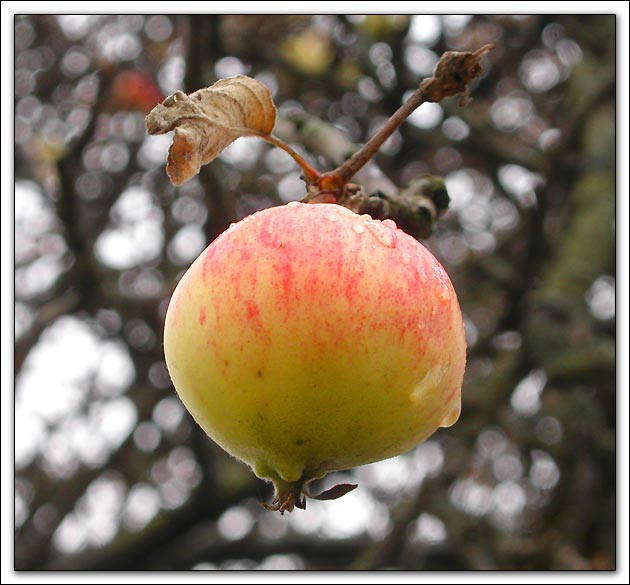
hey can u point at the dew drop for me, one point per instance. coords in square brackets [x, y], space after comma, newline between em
[428, 384]
[390, 223]
[293, 204]
[453, 414]
[358, 228]
[384, 235]
[331, 217]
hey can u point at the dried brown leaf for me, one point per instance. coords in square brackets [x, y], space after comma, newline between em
[209, 120]
[335, 492]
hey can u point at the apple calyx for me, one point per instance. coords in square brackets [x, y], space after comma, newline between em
[287, 497]
[293, 495]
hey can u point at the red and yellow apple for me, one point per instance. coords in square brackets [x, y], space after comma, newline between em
[307, 339]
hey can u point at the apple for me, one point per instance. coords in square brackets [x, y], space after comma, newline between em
[307, 339]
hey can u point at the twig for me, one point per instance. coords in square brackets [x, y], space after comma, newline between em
[311, 175]
[453, 73]
[415, 209]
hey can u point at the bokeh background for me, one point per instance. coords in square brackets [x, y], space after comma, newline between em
[112, 473]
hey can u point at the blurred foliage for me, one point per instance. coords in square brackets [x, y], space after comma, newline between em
[111, 472]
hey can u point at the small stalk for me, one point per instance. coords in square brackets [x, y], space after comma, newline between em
[311, 175]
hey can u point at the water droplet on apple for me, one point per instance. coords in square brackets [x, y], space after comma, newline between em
[331, 217]
[390, 223]
[358, 228]
[453, 414]
[431, 380]
[293, 204]
[383, 234]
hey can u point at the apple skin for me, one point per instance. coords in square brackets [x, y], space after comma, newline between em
[307, 339]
